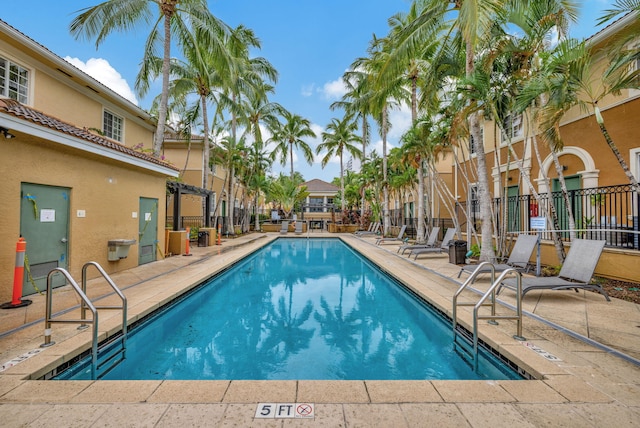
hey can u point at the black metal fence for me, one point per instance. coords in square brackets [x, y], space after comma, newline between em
[609, 213]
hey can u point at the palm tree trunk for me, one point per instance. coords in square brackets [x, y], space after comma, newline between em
[364, 157]
[158, 138]
[385, 178]
[206, 153]
[342, 199]
[291, 158]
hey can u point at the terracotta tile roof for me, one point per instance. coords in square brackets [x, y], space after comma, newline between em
[317, 185]
[16, 109]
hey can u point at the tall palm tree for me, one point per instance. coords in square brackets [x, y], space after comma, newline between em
[467, 19]
[246, 77]
[178, 18]
[289, 136]
[383, 94]
[356, 103]
[339, 137]
[413, 64]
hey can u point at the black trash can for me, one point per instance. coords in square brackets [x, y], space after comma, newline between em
[203, 238]
[457, 252]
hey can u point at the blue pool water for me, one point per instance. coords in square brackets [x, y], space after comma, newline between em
[298, 309]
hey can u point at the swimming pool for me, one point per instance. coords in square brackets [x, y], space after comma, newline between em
[298, 309]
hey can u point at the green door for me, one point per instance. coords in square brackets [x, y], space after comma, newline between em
[44, 224]
[147, 230]
[573, 183]
[513, 208]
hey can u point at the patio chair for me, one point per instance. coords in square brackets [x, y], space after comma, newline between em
[431, 241]
[444, 245]
[576, 272]
[374, 230]
[518, 259]
[298, 230]
[397, 238]
[285, 227]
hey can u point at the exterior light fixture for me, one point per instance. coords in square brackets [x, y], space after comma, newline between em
[4, 131]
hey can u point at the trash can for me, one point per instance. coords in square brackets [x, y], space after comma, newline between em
[203, 238]
[457, 252]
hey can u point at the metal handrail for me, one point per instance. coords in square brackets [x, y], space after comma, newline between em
[114, 287]
[48, 316]
[493, 316]
[468, 282]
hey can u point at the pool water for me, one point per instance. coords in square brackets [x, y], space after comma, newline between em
[298, 309]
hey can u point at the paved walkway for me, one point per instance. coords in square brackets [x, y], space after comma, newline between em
[578, 383]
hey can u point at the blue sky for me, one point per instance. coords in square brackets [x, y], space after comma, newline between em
[310, 42]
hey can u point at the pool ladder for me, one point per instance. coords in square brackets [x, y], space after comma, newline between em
[460, 332]
[114, 354]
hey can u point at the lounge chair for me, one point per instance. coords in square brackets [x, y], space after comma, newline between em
[397, 238]
[374, 230]
[444, 245]
[357, 232]
[285, 227]
[576, 271]
[298, 227]
[518, 259]
[431, 241]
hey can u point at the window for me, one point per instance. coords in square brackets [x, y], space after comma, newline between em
[14, 81]
[112, 126]
[512, 127]
[473, 199]
[316, 204]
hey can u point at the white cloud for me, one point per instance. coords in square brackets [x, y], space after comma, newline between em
[103, 72]
[400, 120]
[308, 90]
[334, 90]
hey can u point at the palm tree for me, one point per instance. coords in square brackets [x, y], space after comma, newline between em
[245, 78]
[356, 103]
[286, 192]
[289, 135]
[382, 94]
[178, 17]
[339, 137]
[467, 20]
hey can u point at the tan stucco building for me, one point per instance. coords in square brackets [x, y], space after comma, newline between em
[73, 181]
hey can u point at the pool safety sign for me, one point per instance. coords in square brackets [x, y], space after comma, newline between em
[285, 411]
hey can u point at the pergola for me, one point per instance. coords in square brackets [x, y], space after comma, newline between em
[179, 189]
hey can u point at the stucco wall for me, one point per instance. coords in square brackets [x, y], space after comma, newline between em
[108, 191]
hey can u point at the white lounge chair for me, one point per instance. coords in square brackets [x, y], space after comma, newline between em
[374, 230]
[284, 227]
[518, 259]
[397, 238]
[444, 245]
[431, 241]
[576, 271]
[298, 230]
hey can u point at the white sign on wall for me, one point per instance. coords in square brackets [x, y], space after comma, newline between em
[538, 223]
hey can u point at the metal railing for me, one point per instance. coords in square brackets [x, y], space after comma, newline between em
[489, 294]
[85, 305]
[610, 213]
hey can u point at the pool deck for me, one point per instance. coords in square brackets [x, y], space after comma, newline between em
[578, 383]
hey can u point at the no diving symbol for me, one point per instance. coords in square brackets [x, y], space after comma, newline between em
[304, 410]
[285, 411]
